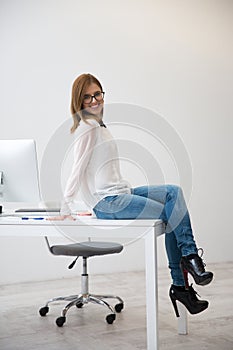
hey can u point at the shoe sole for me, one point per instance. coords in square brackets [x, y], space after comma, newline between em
[197, 279]
[204, 282]
[200, 282]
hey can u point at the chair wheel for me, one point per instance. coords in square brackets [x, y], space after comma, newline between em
[44, 310]
[79, 305]
[119, 307]
[60, 321]
[110, 318]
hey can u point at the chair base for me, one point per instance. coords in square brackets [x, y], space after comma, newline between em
[84, 298]
[80, 300]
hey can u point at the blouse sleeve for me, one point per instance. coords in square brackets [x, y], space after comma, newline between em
[82, 153]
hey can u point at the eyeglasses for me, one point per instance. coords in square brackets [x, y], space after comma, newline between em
[98, 96]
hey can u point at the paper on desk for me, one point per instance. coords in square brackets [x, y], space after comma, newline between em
[10, 218]
[18, 218]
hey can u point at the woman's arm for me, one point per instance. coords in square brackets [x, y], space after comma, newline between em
[82, 153]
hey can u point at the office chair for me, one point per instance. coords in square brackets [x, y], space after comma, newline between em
[86, 250]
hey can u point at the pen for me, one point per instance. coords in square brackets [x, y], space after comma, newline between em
[27, 218]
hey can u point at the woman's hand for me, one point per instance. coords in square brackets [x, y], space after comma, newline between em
[61, 218]
[84, 213]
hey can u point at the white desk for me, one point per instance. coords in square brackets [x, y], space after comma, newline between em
[148, 230]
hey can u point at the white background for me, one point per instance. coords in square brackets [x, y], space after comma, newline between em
[172, 57]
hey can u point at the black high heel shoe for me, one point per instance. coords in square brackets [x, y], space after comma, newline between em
[194, 265]
[188, 298]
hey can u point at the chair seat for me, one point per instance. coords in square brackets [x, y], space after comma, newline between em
[87, 249]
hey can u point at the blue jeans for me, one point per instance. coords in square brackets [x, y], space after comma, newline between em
[165, 202]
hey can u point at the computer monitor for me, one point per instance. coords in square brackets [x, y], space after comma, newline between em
[19, 180]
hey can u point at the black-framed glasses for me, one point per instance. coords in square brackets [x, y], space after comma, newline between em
[98, 96]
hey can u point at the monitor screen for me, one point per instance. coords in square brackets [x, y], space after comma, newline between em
[19, 180]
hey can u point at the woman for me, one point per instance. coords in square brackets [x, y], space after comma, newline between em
[96, 174]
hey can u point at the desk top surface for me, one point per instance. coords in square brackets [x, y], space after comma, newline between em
[37, 225]
[36, 220]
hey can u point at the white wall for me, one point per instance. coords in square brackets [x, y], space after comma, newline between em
[173, 57]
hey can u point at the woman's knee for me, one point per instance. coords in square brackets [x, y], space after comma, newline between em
[173, 191]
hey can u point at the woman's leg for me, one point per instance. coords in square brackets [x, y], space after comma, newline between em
[175, 214]
[167, 203]
[178, 222]
[148, 203]
[179, 237]
[128, 206]
[174, 256]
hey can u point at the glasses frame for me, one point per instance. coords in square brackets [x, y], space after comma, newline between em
[93, 97]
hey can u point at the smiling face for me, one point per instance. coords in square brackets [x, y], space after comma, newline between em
[87, 99]
[93, 100]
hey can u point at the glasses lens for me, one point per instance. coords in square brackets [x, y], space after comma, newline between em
[99, 96]
[87, 99]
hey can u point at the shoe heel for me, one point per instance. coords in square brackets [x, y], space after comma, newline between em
[185, 275]
[173, 300]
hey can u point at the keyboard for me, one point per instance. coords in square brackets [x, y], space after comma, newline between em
[37, 210]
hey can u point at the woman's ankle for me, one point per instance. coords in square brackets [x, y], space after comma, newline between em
[178, 288]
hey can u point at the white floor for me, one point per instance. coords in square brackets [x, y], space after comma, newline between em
[22, 328]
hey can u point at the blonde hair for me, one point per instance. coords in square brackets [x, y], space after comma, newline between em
[79, 86]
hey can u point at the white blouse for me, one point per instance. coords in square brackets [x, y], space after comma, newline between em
[96, 169]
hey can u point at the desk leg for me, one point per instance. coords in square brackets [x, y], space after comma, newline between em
[151, 290]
